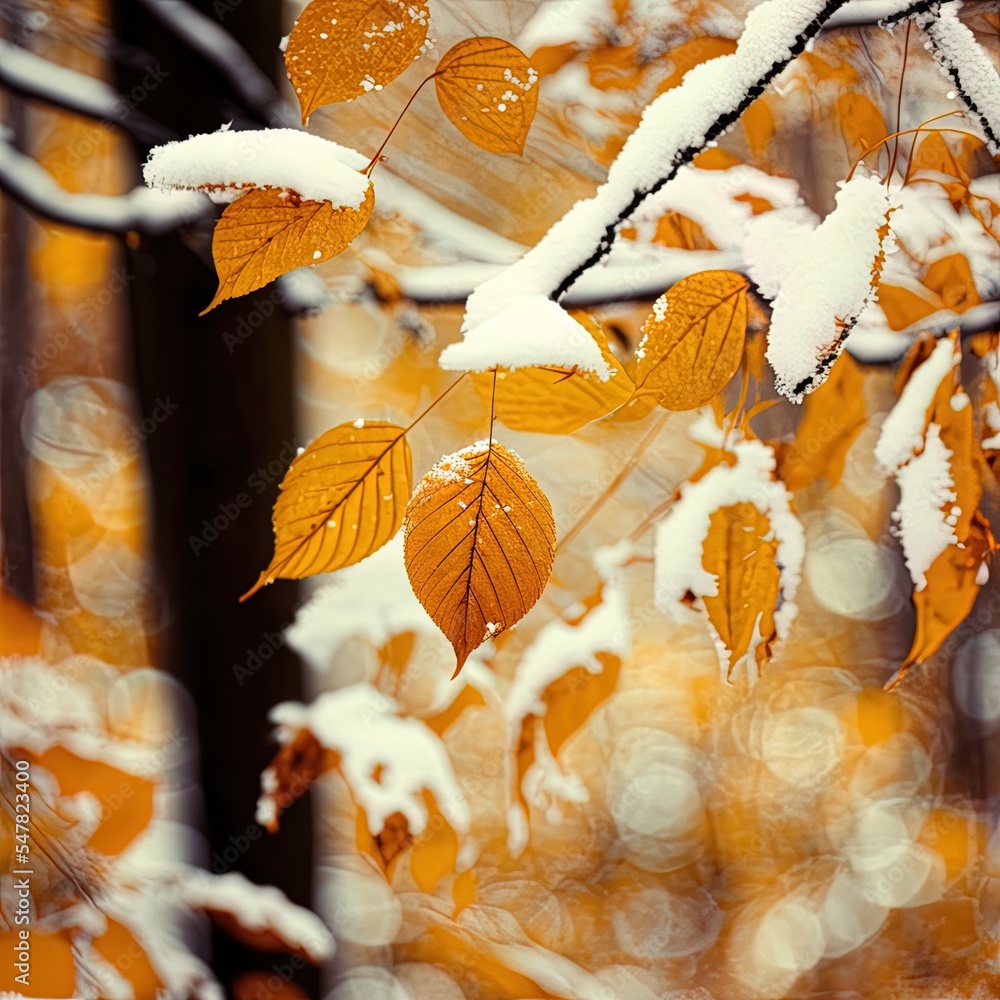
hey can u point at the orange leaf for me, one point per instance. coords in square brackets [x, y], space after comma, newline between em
[556, 400]
[341, 500]
[488, 91]
[479, 544]
[51, 968]
[294, 768]
[571, 699]
[741, 552]
[120, 948]
[435, 851]
[693, 340]
[126, 799]
[267, 233]
[950, 593]
[860, 121]
[832, 418]
[951, 278]
[341, 49]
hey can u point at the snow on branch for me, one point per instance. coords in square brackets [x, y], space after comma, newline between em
[225, 163]
[819, 281]
[141, 210]
[31, 75]
[673, 130]
[956, 51]
[884, 13]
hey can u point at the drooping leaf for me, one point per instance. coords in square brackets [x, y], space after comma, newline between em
[267, 233]
[693, 340]
[556, 400]
[479, 544]
[740, 551]
[341, 500]
[489, 92]
[341, 49]
[832, 418]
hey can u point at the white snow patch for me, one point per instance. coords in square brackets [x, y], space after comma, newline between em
[530, 330]
[226, 164]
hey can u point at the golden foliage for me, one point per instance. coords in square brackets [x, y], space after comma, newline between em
[693, 340]
[341, 500]
[740, 551]
[489, 92]
[267, 233]
[832, 418]
[479, 544]
[341, 49]
[860, 121]
[556, 400]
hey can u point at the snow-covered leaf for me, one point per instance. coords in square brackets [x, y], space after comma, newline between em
[268, 233]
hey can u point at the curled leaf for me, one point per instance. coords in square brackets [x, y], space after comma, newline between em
[341, 500]
[693, 340]
[479, 544]
[267, 233]
[553, 399]
[341, 49]
[488, 90]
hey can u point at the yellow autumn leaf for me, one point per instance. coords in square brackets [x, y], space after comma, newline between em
[341, 49]
[741, 552]
[267, 233]
[479, 544]
[553, 400]
[693, 340]
[832, 418]
[341, 500]
[489, 92]
[860, 121]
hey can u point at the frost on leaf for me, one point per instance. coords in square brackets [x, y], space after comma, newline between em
[341, 500]
[341, 49]
[820, 281]
[693, 341]
[479, 544]
[489, 92]
[268, 233]
[732, 544]
[555, 399]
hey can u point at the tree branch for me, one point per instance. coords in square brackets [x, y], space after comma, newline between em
[141, 210]
[216, 46]
[32, 76]
[862, 13]
[956, 51]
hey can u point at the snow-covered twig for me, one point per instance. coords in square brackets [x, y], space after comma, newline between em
[956, 51]
[141, 210]
[859, 13]
[213, 43]
[674, 129]
[32, 76]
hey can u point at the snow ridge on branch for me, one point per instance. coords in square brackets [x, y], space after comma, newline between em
[956, 51]
[674, 129]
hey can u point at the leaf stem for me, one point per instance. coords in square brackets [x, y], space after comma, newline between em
[910, 131]
[899, 103]
[378, 154]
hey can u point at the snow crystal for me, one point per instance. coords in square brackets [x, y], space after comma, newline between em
[820, 280]
[225, 163]
[529, 330]
[903, 430]
[362, 725]
[925, 486]
[680, 536]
